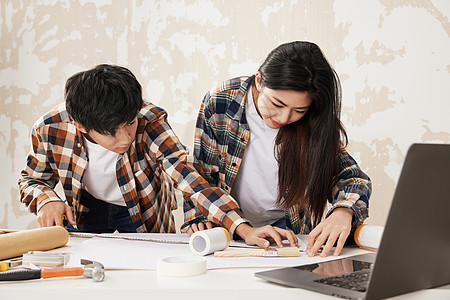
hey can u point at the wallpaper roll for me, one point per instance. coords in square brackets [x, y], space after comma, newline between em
[210, 240]
[368, 236]
[39, 239]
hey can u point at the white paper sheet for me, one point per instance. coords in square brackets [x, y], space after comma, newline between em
[130, 254]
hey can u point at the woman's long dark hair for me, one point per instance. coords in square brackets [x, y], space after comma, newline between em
[310, 147]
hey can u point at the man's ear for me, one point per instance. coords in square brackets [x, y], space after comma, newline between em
[79, 127]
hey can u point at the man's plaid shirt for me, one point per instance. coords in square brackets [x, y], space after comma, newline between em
[154, 158]
[221, 135]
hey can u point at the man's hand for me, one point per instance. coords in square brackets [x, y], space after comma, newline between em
[199, 227]
[336, 227]
[52, 214]
[263, 236]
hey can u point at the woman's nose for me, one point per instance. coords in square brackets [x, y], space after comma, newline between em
[283, 116]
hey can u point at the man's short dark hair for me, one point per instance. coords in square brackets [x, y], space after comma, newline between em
[103, 98]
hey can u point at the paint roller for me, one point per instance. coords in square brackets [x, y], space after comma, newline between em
[40, 239]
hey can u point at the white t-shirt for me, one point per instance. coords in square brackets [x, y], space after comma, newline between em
[256, 185]
[100, 179]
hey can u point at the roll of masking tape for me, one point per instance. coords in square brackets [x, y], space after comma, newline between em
[208, 241]
[181, 266]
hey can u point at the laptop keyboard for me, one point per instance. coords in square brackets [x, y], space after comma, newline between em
[351, 281]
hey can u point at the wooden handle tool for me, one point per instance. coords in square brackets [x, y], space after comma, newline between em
[279, 252]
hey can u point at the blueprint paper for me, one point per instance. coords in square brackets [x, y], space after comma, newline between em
[132, 254]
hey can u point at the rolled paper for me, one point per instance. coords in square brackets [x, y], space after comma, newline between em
[40, 239]
[368, 236]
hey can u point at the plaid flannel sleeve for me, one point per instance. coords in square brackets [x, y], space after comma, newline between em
[212, 202]
[352, 190]
[37, 180]
[205, 152]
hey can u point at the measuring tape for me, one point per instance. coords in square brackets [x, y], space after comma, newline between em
[133, 238]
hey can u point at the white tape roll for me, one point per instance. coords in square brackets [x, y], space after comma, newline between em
[208, 241]
[181, 266]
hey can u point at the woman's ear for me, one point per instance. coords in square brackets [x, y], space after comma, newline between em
[79, 127]
[258, 81]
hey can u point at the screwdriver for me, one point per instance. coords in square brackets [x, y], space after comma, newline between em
[3, 266]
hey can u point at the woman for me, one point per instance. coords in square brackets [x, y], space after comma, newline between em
[275, 142]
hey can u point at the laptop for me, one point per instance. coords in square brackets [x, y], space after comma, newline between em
[414, 251]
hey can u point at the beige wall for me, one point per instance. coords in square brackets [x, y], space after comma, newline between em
[392, 57]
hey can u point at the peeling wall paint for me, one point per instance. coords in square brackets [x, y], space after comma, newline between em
[392, 58]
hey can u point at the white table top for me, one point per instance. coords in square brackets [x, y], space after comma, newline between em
[234, 283]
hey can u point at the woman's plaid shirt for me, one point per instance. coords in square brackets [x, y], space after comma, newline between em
[145, 173]
[221, 135]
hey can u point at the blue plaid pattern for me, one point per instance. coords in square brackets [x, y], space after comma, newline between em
[221, 135]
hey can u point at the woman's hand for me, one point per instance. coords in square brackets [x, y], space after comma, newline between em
[334, 228]
[199, 227]
[263, 236]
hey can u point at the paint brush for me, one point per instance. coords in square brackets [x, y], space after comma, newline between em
[279, 252]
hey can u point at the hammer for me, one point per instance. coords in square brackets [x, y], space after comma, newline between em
[90, 269]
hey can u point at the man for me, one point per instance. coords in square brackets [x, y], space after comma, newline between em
[116, 158]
